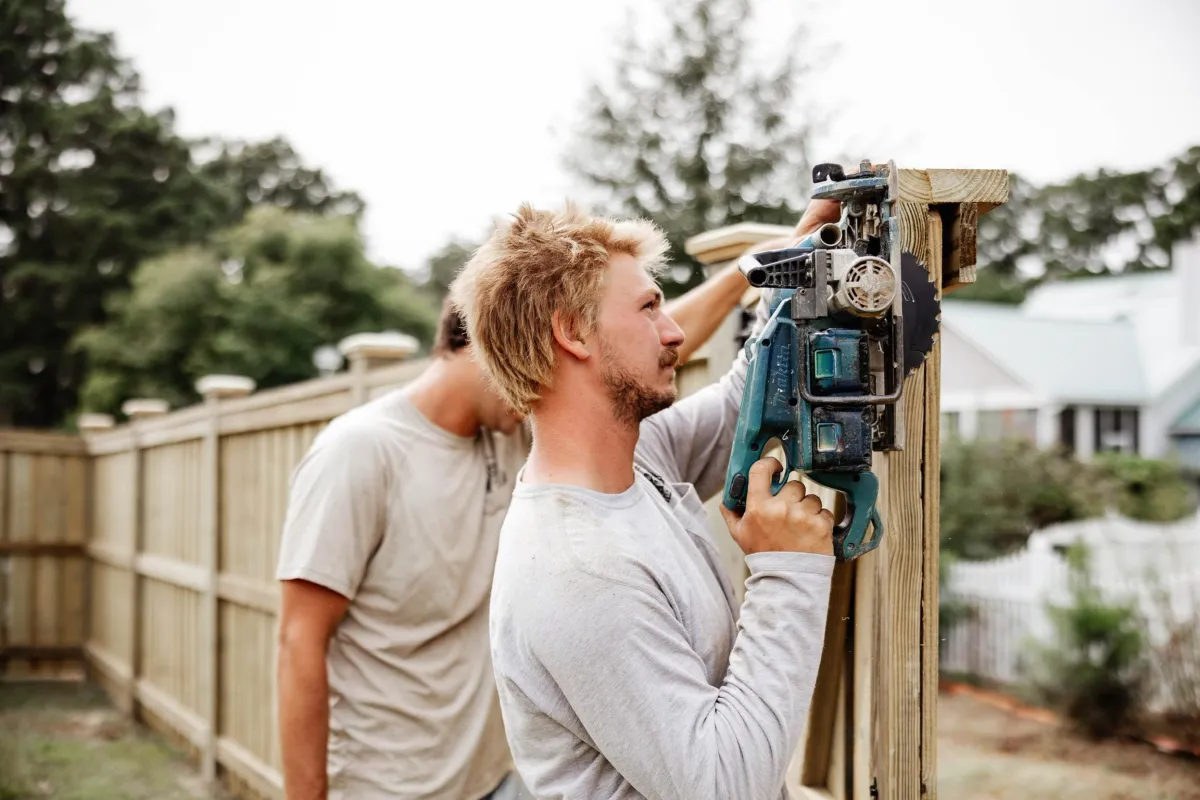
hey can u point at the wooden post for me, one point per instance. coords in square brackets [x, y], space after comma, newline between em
[88, 425]
[214, 389]
[137, 410]
[366, 351]
[872, 732]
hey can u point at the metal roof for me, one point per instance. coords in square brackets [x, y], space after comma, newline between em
[1069, 360]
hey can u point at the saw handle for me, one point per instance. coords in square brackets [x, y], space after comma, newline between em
[862, 492]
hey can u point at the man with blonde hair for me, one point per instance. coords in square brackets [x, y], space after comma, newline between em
[624, 667]
[384, 679]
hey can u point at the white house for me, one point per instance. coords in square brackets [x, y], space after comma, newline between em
[1095, 364]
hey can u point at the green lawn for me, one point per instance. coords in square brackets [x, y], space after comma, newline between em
[66, 741]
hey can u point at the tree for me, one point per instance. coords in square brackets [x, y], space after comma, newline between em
[258, 301]
[692, 136]
[1095, 223]
[91, 185]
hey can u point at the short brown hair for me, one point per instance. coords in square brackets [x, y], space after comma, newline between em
[536, 263]
[452, 331]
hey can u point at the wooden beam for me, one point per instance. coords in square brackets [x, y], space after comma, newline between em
[988, 187]
[42, 442]
[730, 242]
[27, 548]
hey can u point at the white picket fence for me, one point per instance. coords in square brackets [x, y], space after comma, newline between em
[1156, 566]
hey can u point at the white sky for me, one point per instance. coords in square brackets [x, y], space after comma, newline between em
[446, 113]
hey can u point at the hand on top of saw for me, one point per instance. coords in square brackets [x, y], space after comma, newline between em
[818, 213]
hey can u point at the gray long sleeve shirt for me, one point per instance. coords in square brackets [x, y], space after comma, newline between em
[624, 667]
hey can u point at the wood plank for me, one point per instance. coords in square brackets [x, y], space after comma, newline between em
[41, 442]
[181, 719]
[171, 571]
[42, 652]
[988, 186]
[317, 409]
[110, 555]
[931, 543]
[818, 739]
[731, 241]
[958, 251]
[263, 778]
[118, 440]
[178, 433]
[108, 662]
[60, 549]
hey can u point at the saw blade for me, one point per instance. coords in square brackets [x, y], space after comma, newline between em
[921, 312]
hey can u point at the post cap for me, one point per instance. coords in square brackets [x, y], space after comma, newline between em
[220, 386]
[387, 345]
[724, 244]
[138, 407]
[94, 422]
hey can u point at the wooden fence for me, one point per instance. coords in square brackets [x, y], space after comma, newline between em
[43, 571]
[147, 552]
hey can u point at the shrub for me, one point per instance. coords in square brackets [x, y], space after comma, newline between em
[1147, 489]
[995, 493]
[1096, 672]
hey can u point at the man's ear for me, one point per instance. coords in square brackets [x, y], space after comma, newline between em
[567, 337]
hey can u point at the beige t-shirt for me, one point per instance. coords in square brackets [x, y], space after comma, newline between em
[403, 517]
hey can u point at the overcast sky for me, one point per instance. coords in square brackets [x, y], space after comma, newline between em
[445, 113]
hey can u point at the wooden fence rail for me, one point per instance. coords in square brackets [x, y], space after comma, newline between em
[146, 552]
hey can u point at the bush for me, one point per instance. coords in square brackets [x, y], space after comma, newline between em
[1145, 488]
[1096, 672]
[996, 493]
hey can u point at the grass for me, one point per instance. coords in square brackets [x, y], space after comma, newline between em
[66, 741]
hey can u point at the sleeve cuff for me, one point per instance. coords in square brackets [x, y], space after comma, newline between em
[780, 561]
[342, 587]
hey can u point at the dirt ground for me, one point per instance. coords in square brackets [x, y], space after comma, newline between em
[985, 753]
[65, 741]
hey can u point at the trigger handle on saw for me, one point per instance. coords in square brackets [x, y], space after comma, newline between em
[862, 492]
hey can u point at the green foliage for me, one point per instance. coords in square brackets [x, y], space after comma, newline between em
[994, 494]
[1096, 671]
[91, 185]
[258, 301]
[1147, 489]
[1095, 222]
[690, 134]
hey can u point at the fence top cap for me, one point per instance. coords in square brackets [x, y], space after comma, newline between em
[144, 407]
[388, 344]
[225, 386]
[95, 422]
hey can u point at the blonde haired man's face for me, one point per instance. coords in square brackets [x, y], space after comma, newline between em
[638, 342]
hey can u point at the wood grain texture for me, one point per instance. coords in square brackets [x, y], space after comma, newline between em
[818, 741]
[931, 536]
[913, 225]
[953, 185]
[960, 222]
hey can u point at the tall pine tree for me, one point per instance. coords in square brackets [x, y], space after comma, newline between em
[693, 135]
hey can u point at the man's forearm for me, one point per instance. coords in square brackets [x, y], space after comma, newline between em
[702, 310]
[303, 720]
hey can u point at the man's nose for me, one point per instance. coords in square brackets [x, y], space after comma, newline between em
[672, 334]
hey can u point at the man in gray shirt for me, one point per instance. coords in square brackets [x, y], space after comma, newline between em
[624, 667]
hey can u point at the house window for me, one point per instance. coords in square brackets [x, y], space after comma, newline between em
[1066, 429]
[1008, 423]
[1116, 430]
[949, 424]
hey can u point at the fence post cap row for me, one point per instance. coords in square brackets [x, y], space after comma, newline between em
[218, 386]
[385, 345]
[95, 422]
[138, 407]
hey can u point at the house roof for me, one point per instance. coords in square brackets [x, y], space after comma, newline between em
[1066, 360]
[1112, 339]
[1152, 302]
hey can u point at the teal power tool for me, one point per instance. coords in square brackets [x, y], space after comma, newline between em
[850, 315]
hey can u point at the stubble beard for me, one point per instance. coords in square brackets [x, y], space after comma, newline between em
[632, 401]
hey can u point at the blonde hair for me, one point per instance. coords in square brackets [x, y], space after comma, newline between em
[535, 263]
